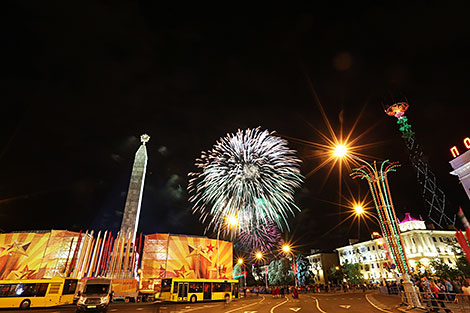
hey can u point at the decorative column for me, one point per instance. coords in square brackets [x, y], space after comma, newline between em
[130, 219]
[380, 190]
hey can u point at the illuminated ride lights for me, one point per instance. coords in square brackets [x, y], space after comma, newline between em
[378, 184]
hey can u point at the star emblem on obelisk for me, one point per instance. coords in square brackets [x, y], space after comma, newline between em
[144, 138]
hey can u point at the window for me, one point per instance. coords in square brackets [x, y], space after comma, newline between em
[195, 287]
[440, 239]
[221, 287]
[175, 287]
[7, 290]
[368, 248]
[69, 287]
[373, 248]
[166, 285]
[372, 265]
[23, 290]
[434, 239]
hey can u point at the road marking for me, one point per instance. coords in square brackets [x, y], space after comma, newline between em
[199, 308]
[347, 306]
[139, 309]
[113, 310]
[272, 309]
[244, 306]
[187, 307]
[380, 309]
[250, 311]
[318, 306]
[295, 309]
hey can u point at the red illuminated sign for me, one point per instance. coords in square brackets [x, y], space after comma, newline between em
[455, 151]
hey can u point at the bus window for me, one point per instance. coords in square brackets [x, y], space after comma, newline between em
[41, 289]
[226, 287]
[166, 285]
[7, 290]
[195, 287]
[175, 288]
[217, 287]
[70, 285]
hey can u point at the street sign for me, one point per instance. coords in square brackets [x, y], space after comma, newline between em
[295, 309]
[344, 306]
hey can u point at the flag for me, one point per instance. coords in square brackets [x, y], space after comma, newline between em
[463, 219]
[463, 244]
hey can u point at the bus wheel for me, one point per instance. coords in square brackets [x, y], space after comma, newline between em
[193, 299]
[227, 298]
[25, 304]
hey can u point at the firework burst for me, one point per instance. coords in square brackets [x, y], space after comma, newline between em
[262, 238]
[251, 175]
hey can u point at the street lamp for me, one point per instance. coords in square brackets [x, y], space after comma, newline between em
[359, 210]
[287, 250]
[240, 262]
[231, 221]
[259, 256]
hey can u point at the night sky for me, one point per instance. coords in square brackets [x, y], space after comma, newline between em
[82, 81]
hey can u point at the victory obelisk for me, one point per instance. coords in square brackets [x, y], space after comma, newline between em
[130, 219]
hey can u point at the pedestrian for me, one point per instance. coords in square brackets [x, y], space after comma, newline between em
[295, 293]
[439, 296]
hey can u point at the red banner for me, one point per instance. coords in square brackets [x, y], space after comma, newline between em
[463, 244]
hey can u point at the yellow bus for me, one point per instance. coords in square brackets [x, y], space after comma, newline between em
[193, 290]
[26, 293]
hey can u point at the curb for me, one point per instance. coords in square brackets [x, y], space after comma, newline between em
[377, 304]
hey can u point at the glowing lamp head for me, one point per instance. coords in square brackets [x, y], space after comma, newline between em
[337, 268]
[259, 255]
[340, 151]
[286, 248]
[240, 261]
[359, 209]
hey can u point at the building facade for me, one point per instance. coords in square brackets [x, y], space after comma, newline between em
[461, 166]
[320, 265]
[421, 246]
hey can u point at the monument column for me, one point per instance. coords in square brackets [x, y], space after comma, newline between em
[130, 219]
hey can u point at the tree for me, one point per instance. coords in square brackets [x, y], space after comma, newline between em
[353, 273]
[304, 275]
[463, 266]
[337, 273]
[279, 272]
[443, 270]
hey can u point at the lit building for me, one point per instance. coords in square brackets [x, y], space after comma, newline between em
[461, 166]
[421, 246]
[320, 265]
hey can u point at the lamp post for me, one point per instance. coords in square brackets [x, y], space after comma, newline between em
[287, 250]
[359, 210]
[232, 221]
[259, 256]
[376, 176]
[241, 263]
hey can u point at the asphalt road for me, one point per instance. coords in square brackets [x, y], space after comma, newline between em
[311, 303]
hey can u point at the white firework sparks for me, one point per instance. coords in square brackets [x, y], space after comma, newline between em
[251, 175]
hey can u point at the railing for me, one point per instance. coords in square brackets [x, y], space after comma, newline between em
[441, 302]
